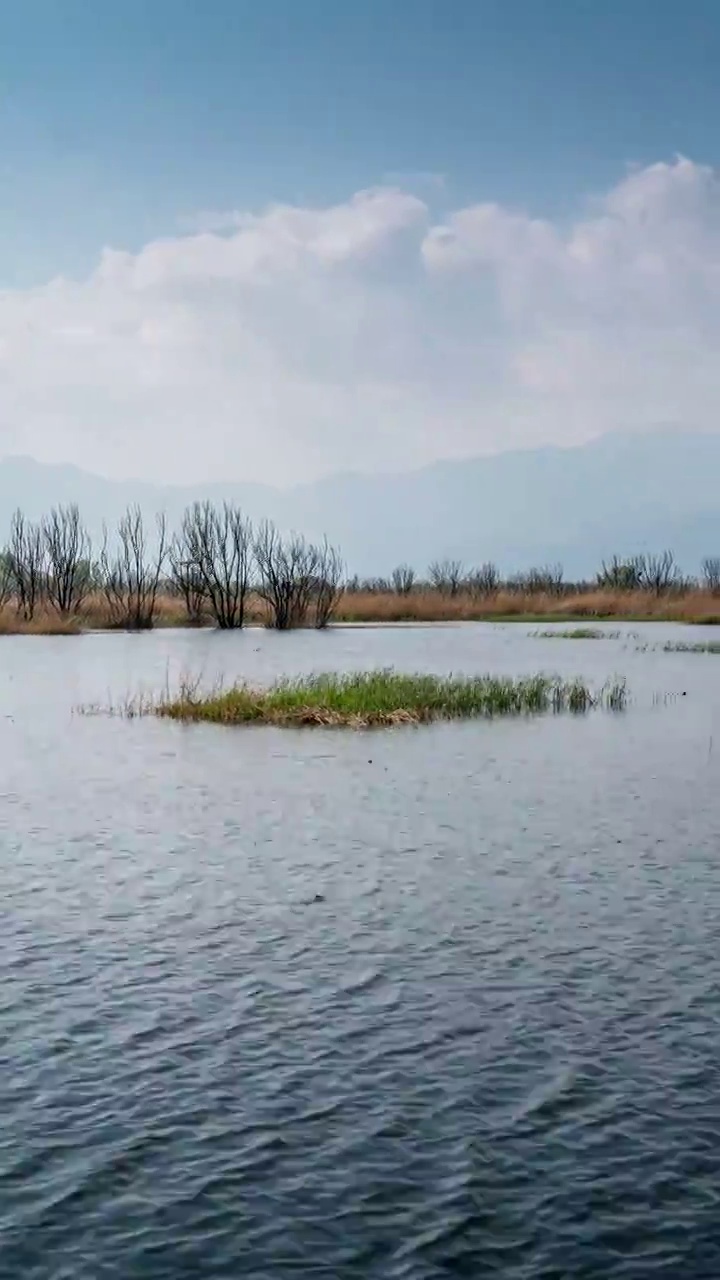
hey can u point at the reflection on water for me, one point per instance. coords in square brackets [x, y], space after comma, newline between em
[437, 1002]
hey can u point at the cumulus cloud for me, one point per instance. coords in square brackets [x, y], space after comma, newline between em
[372, 334]
[614, 319]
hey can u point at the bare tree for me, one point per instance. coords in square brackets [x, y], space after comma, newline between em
[403, 579]
[484, 581]
[214, 552]
[328, 583]
[130, 574]
[446, 576]
[67, 553]
[286, 573]
[553, 577]
[26, 564]
[185, 581]
[711, 574]
[540, 580]
[659, 573]
[7, 577]
[621, 575]
[545, 579]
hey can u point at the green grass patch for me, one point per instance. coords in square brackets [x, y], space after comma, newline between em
[377, 698]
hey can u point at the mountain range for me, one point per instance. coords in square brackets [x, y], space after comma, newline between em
[621, 493]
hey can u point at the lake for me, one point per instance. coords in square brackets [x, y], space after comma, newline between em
[413, 1003]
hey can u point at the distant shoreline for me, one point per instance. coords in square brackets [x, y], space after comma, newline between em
[218, 569]
[695, 607]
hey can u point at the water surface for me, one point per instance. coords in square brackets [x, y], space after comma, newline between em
[414, 1003]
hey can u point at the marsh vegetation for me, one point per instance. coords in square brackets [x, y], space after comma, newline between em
[217, 570]
[680, 646]
[220, 570]
[577, 633]
[377, 698]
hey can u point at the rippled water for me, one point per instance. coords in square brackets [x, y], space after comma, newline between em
[420, 1003]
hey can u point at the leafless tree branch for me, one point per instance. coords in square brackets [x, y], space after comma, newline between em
[67, 553]
[446, 576]
[403, 579]
[27, 564]
[214, 551]
[286, 572]
[329, 570]
[130, 575]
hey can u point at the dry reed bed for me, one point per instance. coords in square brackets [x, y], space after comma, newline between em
[94, 616]
[696, 606]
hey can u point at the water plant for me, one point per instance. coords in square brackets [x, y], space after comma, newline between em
[385, 697]
[683, 646]
[577, 633]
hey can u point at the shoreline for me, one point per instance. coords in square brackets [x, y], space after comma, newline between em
[70, 630]
[424, 608]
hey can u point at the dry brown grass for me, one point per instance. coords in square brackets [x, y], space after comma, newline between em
[45, 623]
[94, 615]
[428, 606]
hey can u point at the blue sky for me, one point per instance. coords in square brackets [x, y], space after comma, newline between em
[118, 118]
[335, 234]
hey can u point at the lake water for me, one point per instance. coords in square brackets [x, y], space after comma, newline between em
[420, 1003]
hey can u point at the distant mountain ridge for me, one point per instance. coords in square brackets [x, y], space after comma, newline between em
[622, 493]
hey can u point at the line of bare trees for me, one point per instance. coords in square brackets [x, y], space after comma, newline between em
[451, 578]
[217, 560]
[656, 574]
[213, 563]
[447, 577]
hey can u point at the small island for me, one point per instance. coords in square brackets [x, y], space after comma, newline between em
[385, 698]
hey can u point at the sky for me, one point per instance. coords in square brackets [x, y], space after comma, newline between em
[278, 240]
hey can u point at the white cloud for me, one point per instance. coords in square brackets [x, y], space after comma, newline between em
[367, 334]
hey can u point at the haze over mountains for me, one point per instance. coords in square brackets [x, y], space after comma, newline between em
[619, 494]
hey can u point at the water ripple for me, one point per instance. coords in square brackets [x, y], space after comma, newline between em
[456, 1018]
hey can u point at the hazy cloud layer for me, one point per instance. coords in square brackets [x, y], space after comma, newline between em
[373, 334]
